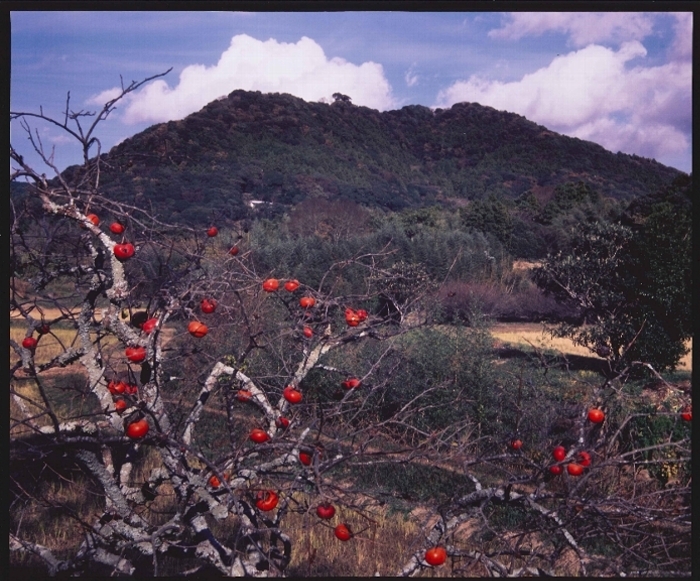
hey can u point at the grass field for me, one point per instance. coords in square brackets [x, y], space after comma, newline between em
[50, 345]
[527, 335]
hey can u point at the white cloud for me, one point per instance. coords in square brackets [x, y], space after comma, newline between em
[582, 27]
[682, 48]
[301, 69]
[411, 77]
[48, 134]
[571, 90]
[104, 97]
[595, 94]
[650, 140]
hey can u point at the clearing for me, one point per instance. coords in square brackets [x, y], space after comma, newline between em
[527, 335]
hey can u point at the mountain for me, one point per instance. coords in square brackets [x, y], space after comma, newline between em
[280, 149]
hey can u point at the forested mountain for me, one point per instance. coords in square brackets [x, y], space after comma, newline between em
[281, 149]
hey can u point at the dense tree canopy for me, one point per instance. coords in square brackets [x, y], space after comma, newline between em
[281, 149]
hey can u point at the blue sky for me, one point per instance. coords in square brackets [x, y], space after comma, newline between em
[622, 80]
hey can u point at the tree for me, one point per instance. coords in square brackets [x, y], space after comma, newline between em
[332, 220]
[155, 377]
[490, 216]
[567, 197]
[632, 283]
[134, 285]
[660, 267]
[340, 98]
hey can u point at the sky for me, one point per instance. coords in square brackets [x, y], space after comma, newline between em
[620, 79]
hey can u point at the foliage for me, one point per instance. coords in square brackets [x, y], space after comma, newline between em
[515, 298]
[406, 484]
[566, 197]
[490, 216]
[446, 370]
[283, 150]
[444, 253]
[632, 283]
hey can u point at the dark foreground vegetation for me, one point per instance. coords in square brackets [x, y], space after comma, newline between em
[315, 391]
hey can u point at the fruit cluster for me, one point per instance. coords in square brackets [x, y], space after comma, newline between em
[354, 317]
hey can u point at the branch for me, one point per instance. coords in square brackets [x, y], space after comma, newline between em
[54, 565]
[112, 491]
[86, 139]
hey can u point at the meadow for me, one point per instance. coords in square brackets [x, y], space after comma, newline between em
[535, 335]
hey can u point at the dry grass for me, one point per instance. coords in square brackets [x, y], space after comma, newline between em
[527, 335]
[66, 386]
[382, 543]
[46, 313]
[379, 545]
[60, 339]
[526, 264]
[62, 498]
[49, 346]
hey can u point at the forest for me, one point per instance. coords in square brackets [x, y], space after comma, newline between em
[312, 386]
[281, 149]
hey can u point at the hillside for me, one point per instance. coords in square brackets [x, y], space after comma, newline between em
[281, 149]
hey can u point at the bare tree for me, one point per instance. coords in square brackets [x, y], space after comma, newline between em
[132, 283]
